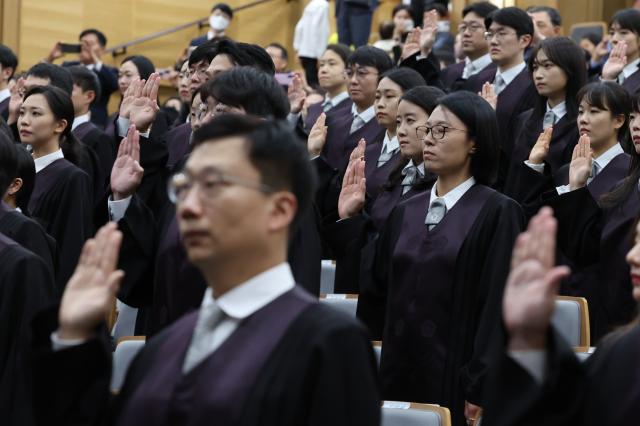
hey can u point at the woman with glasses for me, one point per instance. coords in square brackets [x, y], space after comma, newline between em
[434, 294]
[362, 218]
[558, 71]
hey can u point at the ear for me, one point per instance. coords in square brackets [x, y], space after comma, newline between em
[90, 96]
[525, 40]
[283, 209]
[60, 126]
[15, 186]
[472, 148]
[618, 121]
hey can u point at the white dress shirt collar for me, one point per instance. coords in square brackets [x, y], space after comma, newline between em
[4, 94]
[45, 160]
[604, 158]
[509, 75]
[477, 65]
[84, 118]
[630, 68]
[453, 196]
[336, 99]
[252, 295]
[390, 144]
[366, 115]
[559, 110]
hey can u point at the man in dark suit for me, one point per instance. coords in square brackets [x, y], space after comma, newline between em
[474, 46]
[8, 65]
[92, 45]
[220, 18]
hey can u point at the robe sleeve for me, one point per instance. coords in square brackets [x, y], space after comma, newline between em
[428, 68]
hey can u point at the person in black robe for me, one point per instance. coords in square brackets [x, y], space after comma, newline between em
[26, 286]
[61, 200]
[8, 66]
[474, 46]
[360, 217]
[623, 63]
[434, 291]
[535, 378]
[285, 359]
[557, 68]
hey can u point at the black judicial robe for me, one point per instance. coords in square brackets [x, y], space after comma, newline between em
[377, 176]
[603, 390]
[96, 139]
[428, 68]
[26, 286]
[61, 201]
[518, 184]
[4, 108]
[314, 111]
[29, 234]
[451, 76]
[632, 83]
[435, 296]
[598, 240]
[177, 141]
[293, 362]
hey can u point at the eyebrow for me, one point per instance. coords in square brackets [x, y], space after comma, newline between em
[439, 122]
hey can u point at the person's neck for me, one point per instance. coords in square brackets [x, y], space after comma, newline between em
[87, 62]
[81, 113]
[601, 148]
[46, 148]
[417, 159]
[335, 91]
[11, 201]
[4, 85]
[507, 64]
[477, 54]
[224, 275]
[391, 131]
[362, 107]
[633, 57]
[556, 99]
[446, 183]
[217, 33]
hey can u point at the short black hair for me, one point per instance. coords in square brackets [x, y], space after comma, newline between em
[205, 52]
[26, 170]
[223, 7]
[257, 92]
[369, 56]
[8, 59]
[593, 38]
[481, 8]
[385, 29]
[283, 50]
[8, 163]
[246, 54]
[424, 97]
[554, 15]
[102, 39]
[400, 7]
[273, 149]
[143, 64]
[58, 76]
[512, 17]
[480, 119]
[86, 79]
[406, 78]
[438, 7]
[628, 19]
[341, 50]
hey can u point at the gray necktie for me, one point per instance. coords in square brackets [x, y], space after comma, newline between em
[436, 212]
[411, 175]
[549, 119]
[356, 124]
[385, 156]
[499, 84]
[202, 343]
[326, 105]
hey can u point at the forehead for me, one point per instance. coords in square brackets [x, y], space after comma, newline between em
[36, 101]
[388, 84]
[499, 27]
[222, 62]
[402, 13]
[91, 38]
[274, 50]
[540, 16]
[331, 55]
[473, 17]
[129, 67]
[366, 67]
[541, 56]
[227, 155]
[219, 12]
[441, 115]
[406, 107]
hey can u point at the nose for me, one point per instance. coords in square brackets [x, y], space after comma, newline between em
[190, 207]
[633, 257]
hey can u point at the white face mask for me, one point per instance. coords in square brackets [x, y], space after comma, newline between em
[218, 22]
[444, 26]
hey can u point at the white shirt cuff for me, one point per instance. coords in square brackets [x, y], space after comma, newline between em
[534, 362]
[563, 189]
[117, 209]
[97, 66]
[58, 344]
[123, 128]
[537, 167]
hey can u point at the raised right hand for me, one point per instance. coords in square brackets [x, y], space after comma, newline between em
[91, 291]
[317, 136]
[540, 150]
[616, 62]
[354, 189]
[15, 101]
[488, 93]
[126, 174]
[529, 295]
[581, 162]
[55, 53]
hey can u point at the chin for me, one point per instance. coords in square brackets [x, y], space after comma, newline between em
[199, 255]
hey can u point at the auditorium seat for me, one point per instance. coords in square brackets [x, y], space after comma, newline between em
[126, 350]
[347, 303]
[395, 413]
[327, 276]
[571, 320]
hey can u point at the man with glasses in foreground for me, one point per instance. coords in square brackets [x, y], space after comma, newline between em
[474, 46]
[260, 350]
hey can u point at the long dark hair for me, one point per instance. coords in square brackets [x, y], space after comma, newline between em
[630, 183]
[425, 98]
[62, 108]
